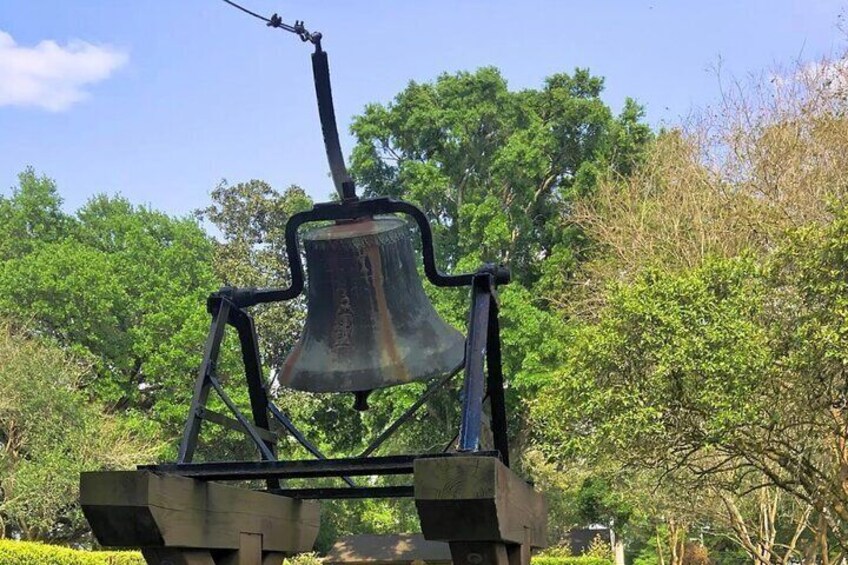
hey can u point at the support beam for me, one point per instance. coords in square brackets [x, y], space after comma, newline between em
[486, 512]
[302, 468]
[495, 382]
[256, 389]
[473, 387]
[180, 520]
[235, 425]
[324, 493]
[202, 385]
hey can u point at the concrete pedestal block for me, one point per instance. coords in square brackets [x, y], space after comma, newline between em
[487, 513]
[180, 521]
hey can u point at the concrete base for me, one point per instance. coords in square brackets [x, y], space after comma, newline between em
[486, 513]
[180, 521]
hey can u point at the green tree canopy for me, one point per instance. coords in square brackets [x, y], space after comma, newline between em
[496, 170]
[730, 375]
[120, 286]
[49, 433]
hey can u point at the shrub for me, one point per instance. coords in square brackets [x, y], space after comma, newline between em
[29, 553]
[581, 560]
[303, 559]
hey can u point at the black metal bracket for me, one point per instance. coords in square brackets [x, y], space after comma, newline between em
[483, 351]
[225, 313]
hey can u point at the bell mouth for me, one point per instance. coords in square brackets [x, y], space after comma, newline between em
[369, 323]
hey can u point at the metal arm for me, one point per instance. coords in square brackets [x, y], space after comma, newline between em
[327, 114]
[350, 207]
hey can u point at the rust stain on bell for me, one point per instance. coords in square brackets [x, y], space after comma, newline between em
[368, 324]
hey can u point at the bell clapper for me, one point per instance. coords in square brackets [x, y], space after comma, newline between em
[360, 402]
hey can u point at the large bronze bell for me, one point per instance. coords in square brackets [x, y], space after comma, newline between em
[369, 324]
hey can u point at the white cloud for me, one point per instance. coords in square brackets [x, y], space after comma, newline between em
[831, 75]
[52, 76]
[827, 76]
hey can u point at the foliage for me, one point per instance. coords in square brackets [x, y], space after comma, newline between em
[560, 480]
[735, 178]
[28, 553]
[695, 554]
[250, 252]
[598, 549]
[676, 325]
[672, 212]
[302, 559]
[599, 503]
[31, 216]
[50, 432]
[120, 286]
[710, 352]
[682, 373]
[668, 351]
[495, 170]
[579, 560]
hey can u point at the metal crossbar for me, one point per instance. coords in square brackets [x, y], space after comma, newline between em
[301, 469]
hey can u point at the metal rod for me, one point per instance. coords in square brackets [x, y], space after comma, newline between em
[266, 453]
[495, 382]
[286, 422]
[249, 342]
[220, 314]
[233, 424]
[387, 433]
[327, 115]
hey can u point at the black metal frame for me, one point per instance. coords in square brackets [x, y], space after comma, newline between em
[228, 307]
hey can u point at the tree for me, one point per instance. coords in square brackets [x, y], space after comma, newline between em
[120, 286]
[496, 170]
[711, 342]
[32, 216]
[725, 367]
[50, 431]
[251, 218]
[497, 173]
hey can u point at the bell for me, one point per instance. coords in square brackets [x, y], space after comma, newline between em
[368, 324]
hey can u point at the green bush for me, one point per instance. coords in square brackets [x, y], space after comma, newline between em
[31, 553]
[302, 559]
[582, 560]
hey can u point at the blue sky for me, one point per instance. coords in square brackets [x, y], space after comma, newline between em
[165, 98]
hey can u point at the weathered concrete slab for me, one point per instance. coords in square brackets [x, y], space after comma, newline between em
[482, 508]
[180, 520]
